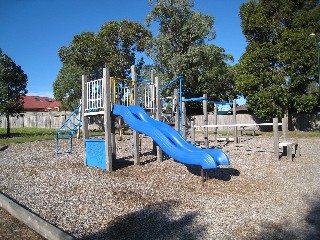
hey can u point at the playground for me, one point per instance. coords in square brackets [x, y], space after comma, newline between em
[124, 186]
[256, 197]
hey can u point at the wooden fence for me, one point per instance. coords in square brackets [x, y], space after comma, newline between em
[299, 122]
[302, 122]
[36, 120]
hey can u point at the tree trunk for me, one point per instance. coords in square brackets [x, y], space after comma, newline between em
[8, 125]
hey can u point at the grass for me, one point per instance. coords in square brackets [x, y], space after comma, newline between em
[19, 135]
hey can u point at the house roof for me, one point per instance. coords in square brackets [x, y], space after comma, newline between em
[36, 103]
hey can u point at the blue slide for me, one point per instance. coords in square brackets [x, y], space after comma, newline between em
[169, 139]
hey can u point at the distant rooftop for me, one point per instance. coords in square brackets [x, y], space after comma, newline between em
[37, 103]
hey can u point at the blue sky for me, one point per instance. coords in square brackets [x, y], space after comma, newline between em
[32, 31]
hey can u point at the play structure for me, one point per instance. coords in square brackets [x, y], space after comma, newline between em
[130, 99]
[289, 148]
[68, 129]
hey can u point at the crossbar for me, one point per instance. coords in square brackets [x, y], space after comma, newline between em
[238, 125]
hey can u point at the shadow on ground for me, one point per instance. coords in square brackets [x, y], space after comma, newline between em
[311, 231]
[224, 174]
[127, 161]
[151, 222]
[2, 148]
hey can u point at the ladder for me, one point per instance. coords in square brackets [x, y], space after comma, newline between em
[69, 127]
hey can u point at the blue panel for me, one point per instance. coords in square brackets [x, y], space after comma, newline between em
[95, 153]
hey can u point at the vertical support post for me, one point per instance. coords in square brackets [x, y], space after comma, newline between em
[193, 134]
[184, 118]
[205, 120]
[112, 91]
[79, 116]
[180, 102]
[136, 151]
[85, 131]
[215, 122]
[154, 105]
[153, 94]
[234, 111]
[106, 85]
[276, 137]
[177, 112]
[113, 135]
[285, 129]
[158, 114]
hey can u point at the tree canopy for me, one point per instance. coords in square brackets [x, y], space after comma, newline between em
[13, 86]
[278, 70]
[182, 48]
[67, 86]
[114, 45]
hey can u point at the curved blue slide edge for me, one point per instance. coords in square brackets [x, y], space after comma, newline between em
[203, 159]
[197, 158]
[218, 155]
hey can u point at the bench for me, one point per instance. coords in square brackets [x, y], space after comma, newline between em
[290, 149]
[244, 129]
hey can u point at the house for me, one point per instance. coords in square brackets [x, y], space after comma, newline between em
[40, 104]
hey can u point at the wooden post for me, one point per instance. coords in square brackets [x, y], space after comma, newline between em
[158, 114]
[215, 122]
[184, 118]
[85, 131]
[177, 111]
[80, 114]
[276, 137]
[234, 111]
[205, 120]
[113, 135]
[285, 129]
[107, 118]
[136, 150]
[153, 94]
[193, 134]
[154, 106]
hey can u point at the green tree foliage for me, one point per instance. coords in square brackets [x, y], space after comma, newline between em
[182, 49]
[114, 45]
[279, 67]
[67, 86]
[13, 86]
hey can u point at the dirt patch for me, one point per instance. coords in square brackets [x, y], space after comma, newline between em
[11, 228]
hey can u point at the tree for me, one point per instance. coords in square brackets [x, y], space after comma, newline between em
[67, 86]
[13, 86]
[114, 45]
[182, 49]
[279, 65]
